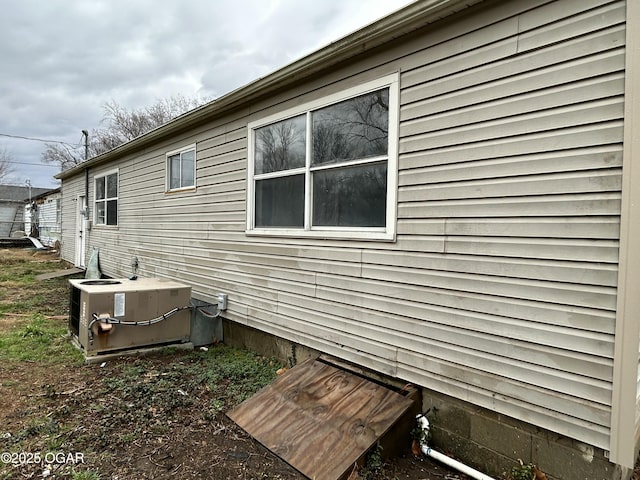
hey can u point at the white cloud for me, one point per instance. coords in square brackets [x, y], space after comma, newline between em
[62, 59]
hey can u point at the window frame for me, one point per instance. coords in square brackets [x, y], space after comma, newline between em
[173, 153]
[388, 232]
[106, 199]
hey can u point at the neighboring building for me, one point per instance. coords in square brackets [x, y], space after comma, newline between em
[48, 224]
[448, 197]
[14, 207]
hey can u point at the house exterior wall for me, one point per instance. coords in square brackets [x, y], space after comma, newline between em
[14, 200]
[500, 287]
[49, 220]
[538, 241]
[11, 217]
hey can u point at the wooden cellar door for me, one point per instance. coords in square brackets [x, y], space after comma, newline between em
[320, 419]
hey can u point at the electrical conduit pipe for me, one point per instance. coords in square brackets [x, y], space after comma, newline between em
[423, 423]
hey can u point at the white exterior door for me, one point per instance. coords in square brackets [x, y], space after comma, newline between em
[81, 229]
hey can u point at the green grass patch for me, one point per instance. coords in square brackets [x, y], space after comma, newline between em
[22, 267]
[234, 374]
[85, 475]
[20, 292]
[36, 428]
[39, 340]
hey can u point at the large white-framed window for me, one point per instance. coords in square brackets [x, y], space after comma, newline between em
[327, 168]
[181, 169]
[106, 199]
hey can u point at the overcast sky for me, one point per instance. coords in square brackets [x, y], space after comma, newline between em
[61, 60]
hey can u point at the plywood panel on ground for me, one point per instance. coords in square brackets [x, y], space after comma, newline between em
[59, 273]
[319, 418]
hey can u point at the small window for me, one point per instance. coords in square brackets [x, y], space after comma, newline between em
[106, 199]
[327, 168]
[181, 169]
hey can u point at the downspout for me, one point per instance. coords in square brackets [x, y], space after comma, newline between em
[423, 423]
[86, 193]
[85, 133]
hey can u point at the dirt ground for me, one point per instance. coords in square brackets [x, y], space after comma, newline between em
[181, 442]
[154, 417]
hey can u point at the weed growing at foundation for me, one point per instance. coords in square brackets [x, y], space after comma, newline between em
[235, 375]
[373, 464]
[522, 472]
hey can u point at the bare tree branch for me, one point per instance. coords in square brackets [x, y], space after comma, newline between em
[121, 125]
[6, 168]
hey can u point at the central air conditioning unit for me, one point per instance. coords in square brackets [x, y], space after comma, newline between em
[122, 314]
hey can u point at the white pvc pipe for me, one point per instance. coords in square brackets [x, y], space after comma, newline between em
[429, 452]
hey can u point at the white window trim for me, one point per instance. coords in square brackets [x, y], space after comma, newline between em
[356, 233]
[180, 151]
[95, 200]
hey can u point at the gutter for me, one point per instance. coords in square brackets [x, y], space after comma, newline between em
[396, 25]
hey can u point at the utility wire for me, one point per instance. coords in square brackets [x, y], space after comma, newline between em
[32, 163]
[38, 139]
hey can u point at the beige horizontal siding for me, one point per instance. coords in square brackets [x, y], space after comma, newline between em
[544, 291]
[553, 141]
[526, 103]
[540, 121]
[497, 154]
[596, 227]
[450, 326]
[507, 313]
[595, 181]
[582, 159]
[557, 271]
[591, 54]
[500, 288]
[415, 368]
[552, 205]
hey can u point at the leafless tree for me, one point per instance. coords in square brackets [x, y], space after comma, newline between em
[355, 128]
[281, 146]
[6, 168]
[120, 125]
